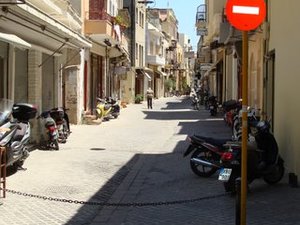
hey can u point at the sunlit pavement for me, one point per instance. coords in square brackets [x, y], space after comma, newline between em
[134, 159]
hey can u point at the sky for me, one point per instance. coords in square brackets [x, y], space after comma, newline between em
[185, 12]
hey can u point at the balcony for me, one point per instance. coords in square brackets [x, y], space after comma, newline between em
[155, 60]
[173, 45]
[61, 11]
[201, 17]
[98, 23]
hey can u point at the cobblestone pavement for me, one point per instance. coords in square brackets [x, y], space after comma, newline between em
[137, 158]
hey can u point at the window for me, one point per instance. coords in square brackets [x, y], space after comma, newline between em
[142, 20]
[142, 55]
[136, 15]
[110, 8]
[151, 48]
[95, 6]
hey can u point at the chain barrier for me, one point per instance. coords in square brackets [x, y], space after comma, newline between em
[129, 204]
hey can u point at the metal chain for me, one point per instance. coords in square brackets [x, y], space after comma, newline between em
[129, 204]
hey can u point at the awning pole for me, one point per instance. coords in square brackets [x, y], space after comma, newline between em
[54, 53]
[69, 60]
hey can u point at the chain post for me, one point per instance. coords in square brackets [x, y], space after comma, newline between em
[238, 201]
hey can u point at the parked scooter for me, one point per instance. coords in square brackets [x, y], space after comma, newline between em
[206, 153]
[62, 123]
[115, 107]
[195, 102]
[15, 132]
[103, 109]
[51, 130]
[231, 108]
[213, 105]
[264, 160]
[253, 119]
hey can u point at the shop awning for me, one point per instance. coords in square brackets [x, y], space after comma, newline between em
[147, 75]
[162, 73]
[119, 70]
[144, 71]
[76, 39]
[14, 40]
[212, 67]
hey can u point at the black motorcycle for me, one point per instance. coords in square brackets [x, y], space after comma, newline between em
[264, 160]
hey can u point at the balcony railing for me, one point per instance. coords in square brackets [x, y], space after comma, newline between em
[201, 20]
[201, 13]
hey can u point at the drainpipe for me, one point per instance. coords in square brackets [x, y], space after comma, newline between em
[107, 76]
[265, 60]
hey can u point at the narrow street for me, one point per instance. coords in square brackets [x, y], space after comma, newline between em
[136, 158]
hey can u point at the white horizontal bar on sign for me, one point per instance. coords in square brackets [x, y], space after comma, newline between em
[245, 10]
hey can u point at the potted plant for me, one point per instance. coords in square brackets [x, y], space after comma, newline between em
[138, 98]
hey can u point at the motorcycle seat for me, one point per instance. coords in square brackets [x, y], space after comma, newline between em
[214, 141]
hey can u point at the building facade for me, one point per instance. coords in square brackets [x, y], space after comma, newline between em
[272, 70]
[281, 78]
[156, 51]
[39, 53]
[107, 61]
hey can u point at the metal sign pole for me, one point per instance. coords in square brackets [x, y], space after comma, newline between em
[244, 128]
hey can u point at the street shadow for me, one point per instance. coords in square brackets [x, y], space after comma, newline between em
[206, 127]
[164, 174]
[180, 110]
[171, 115]
[88, 212]
[180, 103]
[157, 178]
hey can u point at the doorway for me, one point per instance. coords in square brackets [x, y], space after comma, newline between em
[269, 87]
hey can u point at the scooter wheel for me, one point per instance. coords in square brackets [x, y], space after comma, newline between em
[54, 145]
[201, 170]
[275, 175]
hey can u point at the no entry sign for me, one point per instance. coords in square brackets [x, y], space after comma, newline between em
[245, 14]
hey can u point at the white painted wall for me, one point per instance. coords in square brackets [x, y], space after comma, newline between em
[284, 39]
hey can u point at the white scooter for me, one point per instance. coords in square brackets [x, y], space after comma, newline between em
[15, 130]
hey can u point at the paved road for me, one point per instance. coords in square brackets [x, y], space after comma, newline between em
[137, 158]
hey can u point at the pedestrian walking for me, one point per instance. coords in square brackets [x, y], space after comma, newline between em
[149, 95]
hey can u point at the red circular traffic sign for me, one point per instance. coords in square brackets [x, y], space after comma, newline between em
[245, 14]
